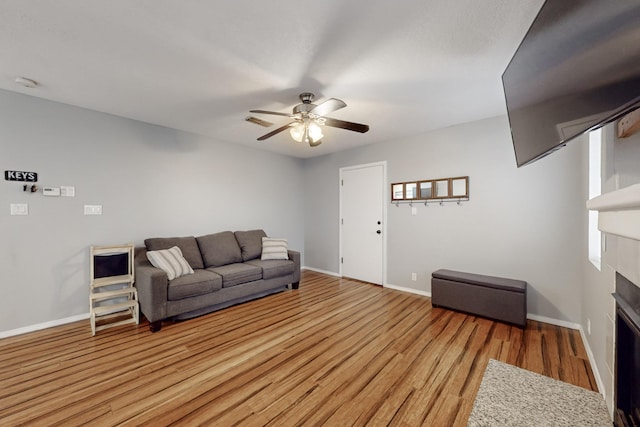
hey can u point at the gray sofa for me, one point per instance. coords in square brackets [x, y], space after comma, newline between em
[227, 270]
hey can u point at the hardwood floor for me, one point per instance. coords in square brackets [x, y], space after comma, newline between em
[335, 352]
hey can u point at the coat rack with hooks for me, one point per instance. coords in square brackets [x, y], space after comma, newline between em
[443, 190]
[426, 203]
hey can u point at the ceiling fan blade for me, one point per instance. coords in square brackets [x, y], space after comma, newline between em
[356, 127]
[259, 121]
[274, 132]
[275, 113]
[328, 106]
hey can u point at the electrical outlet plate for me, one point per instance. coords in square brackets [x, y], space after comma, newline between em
[19, 209]
[93, 209]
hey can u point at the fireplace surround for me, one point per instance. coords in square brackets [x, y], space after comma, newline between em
[627, 375]
[619, 215]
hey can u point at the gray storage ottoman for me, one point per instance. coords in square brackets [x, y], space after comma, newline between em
[493, 297]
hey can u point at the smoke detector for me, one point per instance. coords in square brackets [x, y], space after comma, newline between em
[26, 82]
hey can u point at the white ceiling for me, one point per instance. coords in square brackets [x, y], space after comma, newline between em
[403, 67]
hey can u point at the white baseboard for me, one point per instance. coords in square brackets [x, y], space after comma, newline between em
[410, 290]
[594, 366]
[45, 325]
[551, 321]
[317, 270]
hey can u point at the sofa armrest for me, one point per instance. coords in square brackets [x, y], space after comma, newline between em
[152, 284]
[295, 257]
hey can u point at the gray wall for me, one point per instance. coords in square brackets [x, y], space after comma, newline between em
[620, 168]
[151, 181]
[527, 223]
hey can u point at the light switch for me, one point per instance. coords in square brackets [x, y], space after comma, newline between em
[66, 191]
[93, 209]
[19, 209]
[414, 211]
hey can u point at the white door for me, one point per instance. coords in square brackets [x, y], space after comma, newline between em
[362, 232]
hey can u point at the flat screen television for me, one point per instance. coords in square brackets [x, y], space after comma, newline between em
[577, 69]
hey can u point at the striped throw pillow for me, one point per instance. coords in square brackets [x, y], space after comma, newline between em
[274, 248]
[170, 261]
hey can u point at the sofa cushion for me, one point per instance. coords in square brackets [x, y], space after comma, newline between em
[250, 243]
[187, 245]
[219, 249]
[274, 248]
[199, 283]
[274, 267]
[236, 274]
[170, 261]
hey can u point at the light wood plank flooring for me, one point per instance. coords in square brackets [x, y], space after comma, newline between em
[336, 352]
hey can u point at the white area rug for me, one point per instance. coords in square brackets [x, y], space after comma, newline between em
[510, 396]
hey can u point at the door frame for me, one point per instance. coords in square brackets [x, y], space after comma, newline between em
[384, 214]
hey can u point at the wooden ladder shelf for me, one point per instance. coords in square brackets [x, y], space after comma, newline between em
[112, 296]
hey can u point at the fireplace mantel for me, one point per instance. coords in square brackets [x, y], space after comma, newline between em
[619, 212]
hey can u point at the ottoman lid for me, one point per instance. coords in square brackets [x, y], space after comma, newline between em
[477, 279]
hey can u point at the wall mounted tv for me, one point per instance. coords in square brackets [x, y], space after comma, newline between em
[577, 69]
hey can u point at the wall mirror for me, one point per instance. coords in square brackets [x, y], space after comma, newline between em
[426, 189]
[411, 190]
[454, 189]
[460, 187]
[442, 188]
[397, 191]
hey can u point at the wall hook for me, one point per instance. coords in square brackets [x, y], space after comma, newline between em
[441, 203]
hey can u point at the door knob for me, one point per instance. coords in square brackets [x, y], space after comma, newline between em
[378, 231]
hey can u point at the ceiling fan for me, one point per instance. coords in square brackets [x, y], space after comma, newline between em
[308, 119]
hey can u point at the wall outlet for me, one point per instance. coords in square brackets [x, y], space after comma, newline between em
[414, 276]
[93, 209]
[589, 326]
[19, 209]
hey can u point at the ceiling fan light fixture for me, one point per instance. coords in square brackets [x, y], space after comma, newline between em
[308, 120]
[306, 132]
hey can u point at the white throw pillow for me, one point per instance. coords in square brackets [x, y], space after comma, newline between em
[170, 261]
[274, 248]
